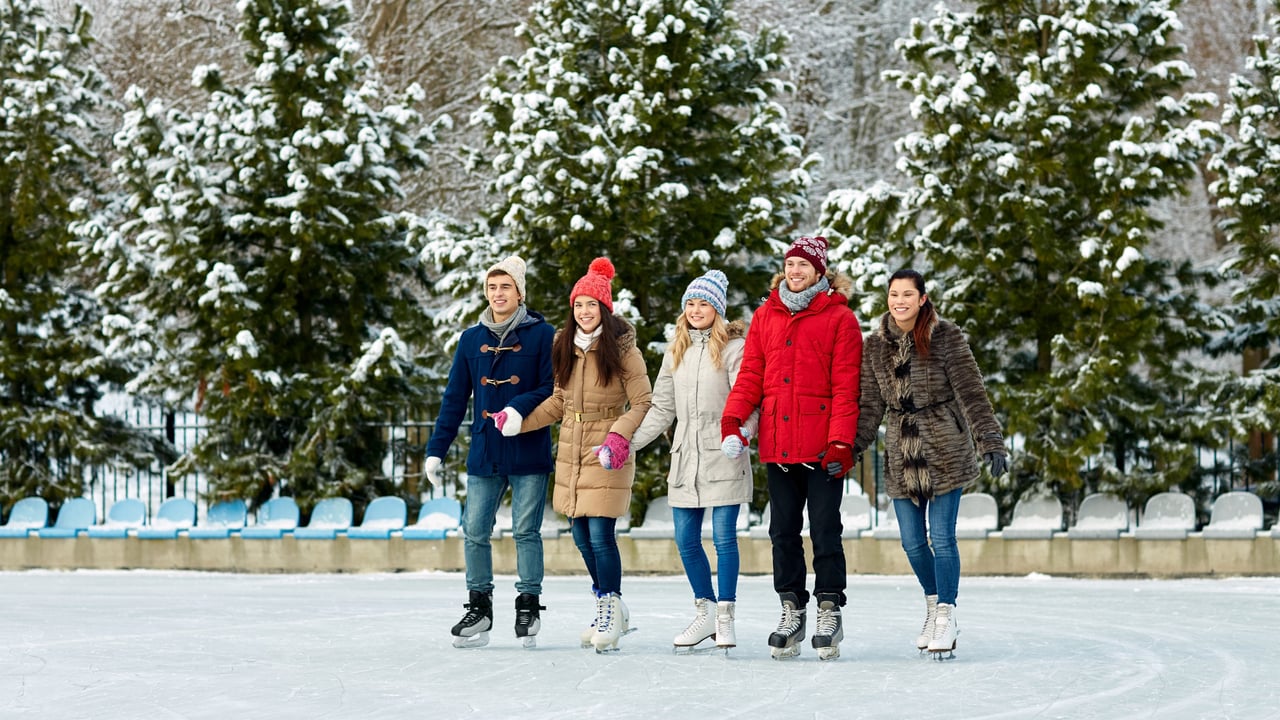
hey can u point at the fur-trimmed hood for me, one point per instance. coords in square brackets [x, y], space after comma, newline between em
[737, 329]
[841, 284]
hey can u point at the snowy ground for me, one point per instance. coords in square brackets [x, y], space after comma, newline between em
[103, 645]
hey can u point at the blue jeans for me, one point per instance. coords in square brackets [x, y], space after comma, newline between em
[937, 567]
[597, 540]
[724, 533]
[528, 498]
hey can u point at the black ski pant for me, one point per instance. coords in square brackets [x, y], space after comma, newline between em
[790, 488]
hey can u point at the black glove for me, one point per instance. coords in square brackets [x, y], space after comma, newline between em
[998, 463]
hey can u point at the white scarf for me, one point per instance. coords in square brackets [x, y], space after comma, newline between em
[584, 340]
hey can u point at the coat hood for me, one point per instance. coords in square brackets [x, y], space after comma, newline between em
[840, 283]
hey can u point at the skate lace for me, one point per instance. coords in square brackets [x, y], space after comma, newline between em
[930, 620]
[790, 620]
[604, 618]
[828, 621]
[474, 614]
[942, 622]
[698, 620]
[524, 615]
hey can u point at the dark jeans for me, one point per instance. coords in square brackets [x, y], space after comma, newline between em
[791, 487]
[597, 540]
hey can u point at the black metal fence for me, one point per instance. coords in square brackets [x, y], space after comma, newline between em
[1222, 469]
[402, 465]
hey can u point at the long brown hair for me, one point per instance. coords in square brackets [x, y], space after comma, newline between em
[923, 329]
[608, 351]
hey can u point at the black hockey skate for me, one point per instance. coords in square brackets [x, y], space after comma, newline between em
[829, 631]
[528, 620]
[472, 630]
[785, 641]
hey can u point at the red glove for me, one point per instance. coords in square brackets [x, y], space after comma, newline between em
[732, 426]
[837, 458]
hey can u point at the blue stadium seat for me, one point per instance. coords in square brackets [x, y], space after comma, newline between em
[125, 515]
[28, 514]
[278, 517]
[382, 517]
[330, 518]
[224, 518]
[75, 516]
[176, 515]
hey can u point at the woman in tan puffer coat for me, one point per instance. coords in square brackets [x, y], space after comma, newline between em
[919, 370]
[601, 395]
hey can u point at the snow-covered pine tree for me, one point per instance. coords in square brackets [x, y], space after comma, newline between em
[650, 132]
[1248, 170]
[51, 370]
[1047, 130]
[269, 278]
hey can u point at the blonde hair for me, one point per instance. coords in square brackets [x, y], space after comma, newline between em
[680, 343]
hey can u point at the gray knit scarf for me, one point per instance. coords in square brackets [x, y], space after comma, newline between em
[797, 301]
[501, 329]
[915, 467]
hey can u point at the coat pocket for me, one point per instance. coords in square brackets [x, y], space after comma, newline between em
[815, 422]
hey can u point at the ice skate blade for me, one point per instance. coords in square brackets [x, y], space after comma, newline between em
[943, 655]
[699, 649]
[591, 643]
[829, 652]
[480, 639]
[529, 641]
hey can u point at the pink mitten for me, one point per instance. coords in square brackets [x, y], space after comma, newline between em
[614, 451]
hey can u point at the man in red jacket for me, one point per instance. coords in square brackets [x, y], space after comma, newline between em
[800, 367]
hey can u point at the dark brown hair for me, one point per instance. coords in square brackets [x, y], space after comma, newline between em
[923, 328]
[608, 352]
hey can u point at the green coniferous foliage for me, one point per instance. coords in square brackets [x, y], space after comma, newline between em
[648, 132]
[269, 277]
[52, 373]
[1047, 130]
[1248, 168]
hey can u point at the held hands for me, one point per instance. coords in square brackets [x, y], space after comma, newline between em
[735, 437]
[613, 452]
[508, 421]
[432, 470]
[998, 463]
[838, 459]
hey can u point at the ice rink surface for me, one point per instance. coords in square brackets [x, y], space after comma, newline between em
[141, 645]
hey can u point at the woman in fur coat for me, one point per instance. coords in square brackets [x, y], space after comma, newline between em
[700, 365]
[601, 394]
[919, 371]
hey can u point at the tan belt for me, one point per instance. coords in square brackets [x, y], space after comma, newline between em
[589, 417]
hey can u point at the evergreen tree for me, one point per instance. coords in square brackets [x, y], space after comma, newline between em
[1248, 168]
[1047, 130]
[51, 370]
[649, 132]
[271, 285]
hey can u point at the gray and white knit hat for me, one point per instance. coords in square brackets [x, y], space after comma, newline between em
[513, 266]
[712, 286]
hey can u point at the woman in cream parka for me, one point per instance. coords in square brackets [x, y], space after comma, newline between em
[699, 368]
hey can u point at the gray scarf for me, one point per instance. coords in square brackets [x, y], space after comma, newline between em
[501, 329]
[796, 302]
